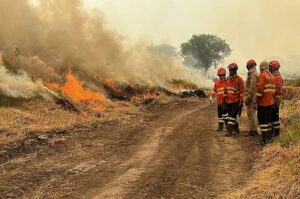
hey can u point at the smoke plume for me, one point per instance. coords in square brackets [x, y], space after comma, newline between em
[21, 85]
[55, 34]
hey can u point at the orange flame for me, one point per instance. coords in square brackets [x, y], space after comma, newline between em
[111, 84]
[145, 95]
[74, 89]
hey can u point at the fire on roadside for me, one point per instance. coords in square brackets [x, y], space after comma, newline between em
[145, 95]
[75, 91]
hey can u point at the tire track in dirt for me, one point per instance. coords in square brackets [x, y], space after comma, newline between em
[184, 159]
[177, 155]
[137, 164]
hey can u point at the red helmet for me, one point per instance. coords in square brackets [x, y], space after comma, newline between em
[251, 62]
[233, 66]
[275, 65]
[221, 71]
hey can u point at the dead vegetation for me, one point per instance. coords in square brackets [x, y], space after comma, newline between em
[277, 170]
[277, 174]
[42, 116]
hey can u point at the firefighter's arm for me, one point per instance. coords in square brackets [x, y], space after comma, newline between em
[225, 95]
[252, 88]
[213, 92]
[260, 86]
[242, 89]
[279, 90]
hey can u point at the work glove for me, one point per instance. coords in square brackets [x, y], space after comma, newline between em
[210, 99]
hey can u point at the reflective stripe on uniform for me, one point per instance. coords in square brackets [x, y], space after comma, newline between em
[264, 125]
[264, 130]
[270, 85]
[274, 123]
[269, 90]
[232, 119]
[225, 116]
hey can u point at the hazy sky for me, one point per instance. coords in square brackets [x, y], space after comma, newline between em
[260, 29]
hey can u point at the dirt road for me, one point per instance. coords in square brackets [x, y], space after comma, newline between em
[175, 154]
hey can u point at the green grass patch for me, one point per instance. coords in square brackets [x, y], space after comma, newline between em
[179, 83]
[294, 82]
[291, 135]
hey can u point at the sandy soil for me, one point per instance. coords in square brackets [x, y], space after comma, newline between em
[174, 153]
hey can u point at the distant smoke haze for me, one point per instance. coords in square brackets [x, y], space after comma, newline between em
[259, 29]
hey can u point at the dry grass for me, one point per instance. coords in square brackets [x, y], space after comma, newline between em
[183, 84]
[18, 117]
[45, 116]
[277, 170]
[277, 175]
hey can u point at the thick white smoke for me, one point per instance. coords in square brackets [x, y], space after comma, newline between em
[55, 34]
[21, 85]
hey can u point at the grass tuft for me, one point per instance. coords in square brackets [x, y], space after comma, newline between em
[183, 84]
[291, 134]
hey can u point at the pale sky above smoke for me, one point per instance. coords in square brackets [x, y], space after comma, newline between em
[260, 29]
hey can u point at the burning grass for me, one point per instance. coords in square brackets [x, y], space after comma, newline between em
[74, 90]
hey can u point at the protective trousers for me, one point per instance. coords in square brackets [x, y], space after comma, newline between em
[275, 121]
[223, 117]
[251, 116]
[264, 114]
[233, 110]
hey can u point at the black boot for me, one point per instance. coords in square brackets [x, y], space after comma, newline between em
[221, 126]
[230, 129]
[270, 136]
[276, 132]
[236, 130]
[264, 138]
[226, 123]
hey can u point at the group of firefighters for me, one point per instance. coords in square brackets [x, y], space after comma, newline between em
[262, 93]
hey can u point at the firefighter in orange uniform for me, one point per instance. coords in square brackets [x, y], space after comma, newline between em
[265, 91]
[219, 91]
[274, 69]
[233, 98]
